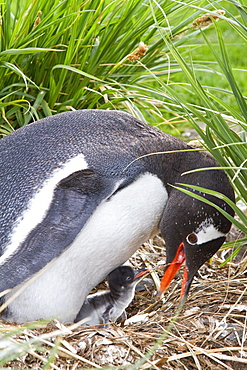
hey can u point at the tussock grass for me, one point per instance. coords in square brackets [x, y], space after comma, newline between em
[72, 54]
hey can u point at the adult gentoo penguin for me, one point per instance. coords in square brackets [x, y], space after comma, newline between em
[107, 306]
[79, 196]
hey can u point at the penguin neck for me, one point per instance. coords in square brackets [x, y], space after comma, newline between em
[170, 160]
[117, 293]
[122, 297]
[171, 167]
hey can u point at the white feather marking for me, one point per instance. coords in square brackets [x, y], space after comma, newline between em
[40, 203]
[207, 231]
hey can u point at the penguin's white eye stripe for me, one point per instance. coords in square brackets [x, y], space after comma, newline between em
[40, 203]
[207, 232]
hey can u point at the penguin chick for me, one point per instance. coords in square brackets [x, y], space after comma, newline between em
[108, 306]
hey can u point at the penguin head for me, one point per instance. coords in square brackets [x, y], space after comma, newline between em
[124, 276]
[193, 231]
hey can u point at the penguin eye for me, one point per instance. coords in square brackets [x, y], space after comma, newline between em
[192, 238]
[128, 278]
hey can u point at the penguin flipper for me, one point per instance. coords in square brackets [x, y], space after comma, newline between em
[106, 316]
[74, 200]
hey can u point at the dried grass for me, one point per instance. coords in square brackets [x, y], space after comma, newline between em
[210, 331]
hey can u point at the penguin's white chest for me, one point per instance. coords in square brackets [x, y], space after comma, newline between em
[113, 233]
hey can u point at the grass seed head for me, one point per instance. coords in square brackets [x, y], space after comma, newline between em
[206, 20]
[138, 53]
[38, 19]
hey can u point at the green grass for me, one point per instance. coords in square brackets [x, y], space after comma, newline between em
[76, 57]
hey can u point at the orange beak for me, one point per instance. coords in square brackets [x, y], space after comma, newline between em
[172, 269]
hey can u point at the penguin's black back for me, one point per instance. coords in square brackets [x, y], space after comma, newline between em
[109, 141]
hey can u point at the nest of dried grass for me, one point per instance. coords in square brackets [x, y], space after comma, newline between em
[210, 331]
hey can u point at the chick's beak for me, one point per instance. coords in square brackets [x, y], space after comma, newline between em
[141, 273]
[171, 271]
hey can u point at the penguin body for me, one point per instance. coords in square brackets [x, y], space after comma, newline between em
[79, 185]
[65, 284]
[108, 306]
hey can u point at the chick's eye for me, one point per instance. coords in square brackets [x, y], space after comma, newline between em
[192, 238]
[128, 278]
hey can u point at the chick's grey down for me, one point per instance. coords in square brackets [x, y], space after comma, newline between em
[79, 194]
[107, 306]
